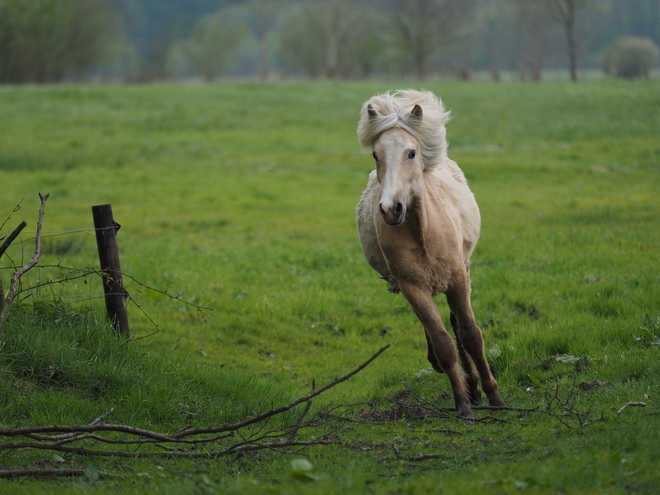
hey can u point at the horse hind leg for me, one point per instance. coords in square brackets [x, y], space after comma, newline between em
[470, 339]
[471, 375]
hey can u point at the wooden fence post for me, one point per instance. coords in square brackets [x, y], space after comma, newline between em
[115, 294]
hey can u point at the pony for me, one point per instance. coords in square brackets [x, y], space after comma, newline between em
[418, 223]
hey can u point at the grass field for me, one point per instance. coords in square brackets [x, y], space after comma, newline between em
[240, 197]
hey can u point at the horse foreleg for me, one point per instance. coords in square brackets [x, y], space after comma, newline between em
[440, 344]
[471, 376]
[470, 338]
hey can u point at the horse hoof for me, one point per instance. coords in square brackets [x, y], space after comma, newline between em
[466, 413]
[496, 402]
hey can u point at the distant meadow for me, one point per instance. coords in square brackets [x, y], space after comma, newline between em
[240, 197]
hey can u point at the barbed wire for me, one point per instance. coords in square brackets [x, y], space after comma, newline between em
[63, 231]
[53, 233]
[84, 272]
[63, 296]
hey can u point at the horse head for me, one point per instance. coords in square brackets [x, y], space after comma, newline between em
[399, 169]
[407, 132]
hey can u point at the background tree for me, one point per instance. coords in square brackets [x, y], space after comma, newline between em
[48, 40]
[300, 46]
[209, 49]
[426, 27]
[316, 37]
[265, 10]
[492, 25]
[367, 48]
[641, 17]
[51, 40]
[338, 18]
[533, 33]
[565, 12]
[152, 26]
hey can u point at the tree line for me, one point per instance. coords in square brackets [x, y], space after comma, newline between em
[54, 40]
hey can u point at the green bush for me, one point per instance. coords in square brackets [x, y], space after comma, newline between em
[630, 57]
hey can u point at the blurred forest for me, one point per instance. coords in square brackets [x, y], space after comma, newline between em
[142, 40]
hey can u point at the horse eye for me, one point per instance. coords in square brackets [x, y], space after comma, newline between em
[412, 154]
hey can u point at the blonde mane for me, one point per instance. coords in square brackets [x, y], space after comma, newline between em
[393, 109]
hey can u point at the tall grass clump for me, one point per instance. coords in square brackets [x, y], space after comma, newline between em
[63, 366]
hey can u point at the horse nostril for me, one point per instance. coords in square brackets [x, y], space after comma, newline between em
[398, 209]
[382, 210]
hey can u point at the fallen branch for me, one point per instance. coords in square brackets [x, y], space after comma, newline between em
[416, 458]
[183, 443]
[505, 408]
[43, 473]
[631, 404]
[564, 406]
[279, 410]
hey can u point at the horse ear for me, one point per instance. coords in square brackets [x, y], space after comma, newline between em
[371, 112]
[416, 113]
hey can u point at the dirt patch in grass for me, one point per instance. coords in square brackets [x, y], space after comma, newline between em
[404, 405]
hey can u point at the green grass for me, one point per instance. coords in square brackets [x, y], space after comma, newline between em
[240, 197]
[65, 368]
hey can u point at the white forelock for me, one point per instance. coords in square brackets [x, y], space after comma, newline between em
[393, 109]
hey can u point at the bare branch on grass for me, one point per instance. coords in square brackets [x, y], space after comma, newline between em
[49, 473]
[631, 404]
[299, 424]
[183, 443]
[408, 405]
[563, 406]
[505, 408]
[416, 458]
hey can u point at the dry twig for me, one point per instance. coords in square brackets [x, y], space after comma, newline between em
[631, 404]
[183, 443]
[47, 473]
[13, 290]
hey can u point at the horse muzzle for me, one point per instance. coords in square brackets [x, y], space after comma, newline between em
[394, 214]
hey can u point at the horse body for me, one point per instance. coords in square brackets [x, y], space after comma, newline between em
[418, 224]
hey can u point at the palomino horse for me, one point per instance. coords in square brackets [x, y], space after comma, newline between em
[419, 223]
